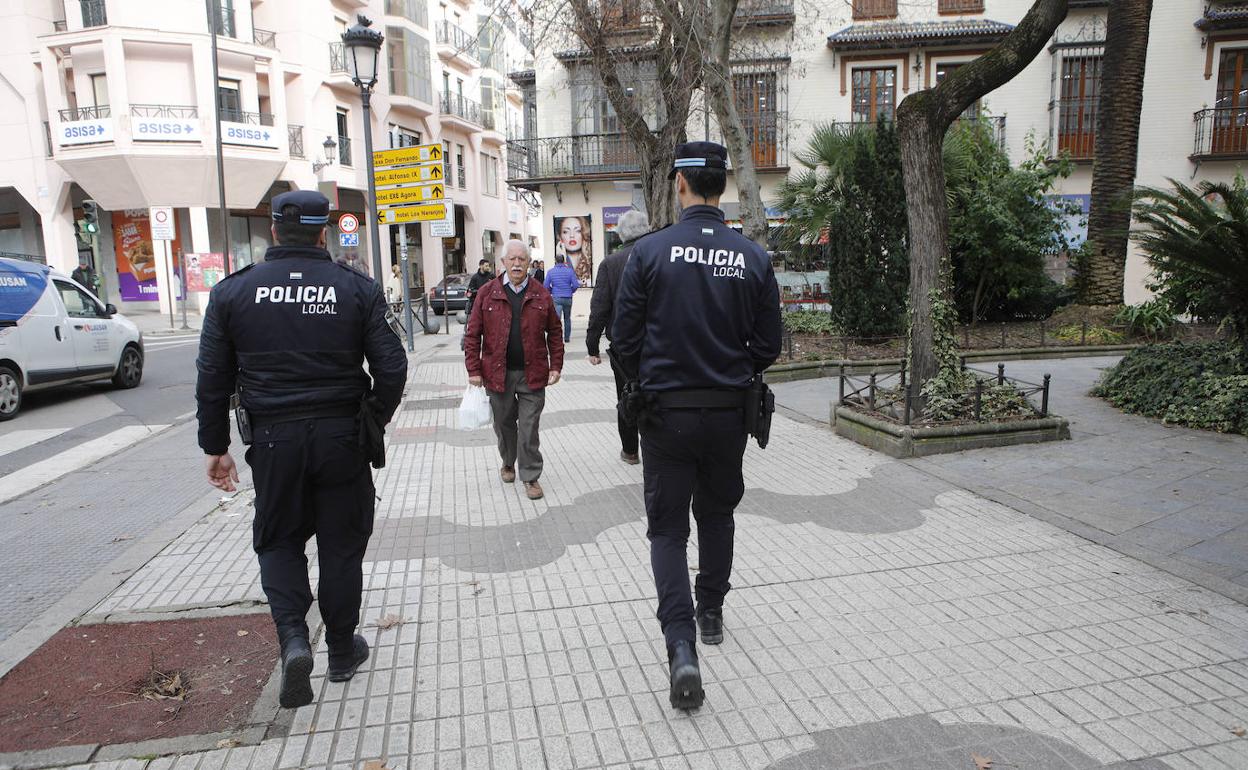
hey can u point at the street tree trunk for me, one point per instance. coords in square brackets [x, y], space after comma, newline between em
[922, 120]
[718, 84]
[1116, 151]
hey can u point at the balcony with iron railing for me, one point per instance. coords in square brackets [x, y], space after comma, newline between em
[767, 136]
[1221, 134]
[415, 11]
[337, 58]
[181, 111]
[294, 135]
[455, 41]
[264, 37]
[250, 118]
[994, 123]
[554, 158]
[1075, 129]
[765, 13]
[86, 113]
[960, 6]
[93, 13]
[344, 151]
[461, 107]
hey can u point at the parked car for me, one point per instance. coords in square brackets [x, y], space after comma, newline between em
[451, 294]
[53, 332]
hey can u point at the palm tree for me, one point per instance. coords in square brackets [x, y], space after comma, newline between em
[1115, 151]
[1196, 240]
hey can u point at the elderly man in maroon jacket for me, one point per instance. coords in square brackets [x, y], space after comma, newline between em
[514, 347]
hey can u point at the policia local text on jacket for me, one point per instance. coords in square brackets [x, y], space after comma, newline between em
[292, 334]
[696, 317]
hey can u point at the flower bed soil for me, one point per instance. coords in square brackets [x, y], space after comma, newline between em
[83, 685]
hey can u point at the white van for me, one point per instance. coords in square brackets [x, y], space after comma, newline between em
[55, 332]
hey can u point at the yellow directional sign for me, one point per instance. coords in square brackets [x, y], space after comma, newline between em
[429, 212]
[397, 196]
[405, 156]
[408, 175]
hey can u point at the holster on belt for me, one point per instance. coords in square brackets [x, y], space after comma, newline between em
[241, 417]
[760, 404]
[372, 431]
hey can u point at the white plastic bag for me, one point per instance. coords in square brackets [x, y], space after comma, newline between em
[474, 409]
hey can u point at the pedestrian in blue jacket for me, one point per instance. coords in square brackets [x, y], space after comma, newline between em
[562, 283]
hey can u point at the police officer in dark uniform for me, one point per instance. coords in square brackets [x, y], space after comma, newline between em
[290, 336]
[697, 317]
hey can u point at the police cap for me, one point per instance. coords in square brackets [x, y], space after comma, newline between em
[313, 208]
[699, 155]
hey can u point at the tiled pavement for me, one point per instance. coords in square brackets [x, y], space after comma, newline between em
[880, 618]
[1173, 496]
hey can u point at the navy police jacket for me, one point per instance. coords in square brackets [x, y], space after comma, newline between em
[698, 306]
[293, 332]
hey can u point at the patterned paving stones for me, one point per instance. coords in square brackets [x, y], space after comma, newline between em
[880, 618]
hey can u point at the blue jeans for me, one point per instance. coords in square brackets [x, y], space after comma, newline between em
[564, 305]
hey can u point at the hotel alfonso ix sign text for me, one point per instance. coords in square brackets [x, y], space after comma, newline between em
[409, 184]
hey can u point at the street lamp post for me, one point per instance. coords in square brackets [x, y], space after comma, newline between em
[362, 47]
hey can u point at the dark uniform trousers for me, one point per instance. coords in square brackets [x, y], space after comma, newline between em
[691, 455]
[628, 433]
[312, 479]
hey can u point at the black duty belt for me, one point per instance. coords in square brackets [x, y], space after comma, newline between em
[700, 399]
[261, 420]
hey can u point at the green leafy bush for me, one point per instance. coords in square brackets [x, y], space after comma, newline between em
[1097, 335]
[1202, 385]
[809, 322]
[1002, 223]
[1151, 320]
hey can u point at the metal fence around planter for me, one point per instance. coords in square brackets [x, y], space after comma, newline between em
[890, 396]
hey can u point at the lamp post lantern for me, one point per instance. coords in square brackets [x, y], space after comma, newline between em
[363, 46]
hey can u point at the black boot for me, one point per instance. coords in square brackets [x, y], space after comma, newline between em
[686, 690]
[341, 669]
[711, 624]
[296, 670]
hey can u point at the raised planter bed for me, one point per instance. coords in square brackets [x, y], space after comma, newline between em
[902, 441]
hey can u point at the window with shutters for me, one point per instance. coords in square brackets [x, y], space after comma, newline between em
[874, 9]
[875, 94]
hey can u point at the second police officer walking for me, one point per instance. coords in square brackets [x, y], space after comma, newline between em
[697, 317]
[290, 335]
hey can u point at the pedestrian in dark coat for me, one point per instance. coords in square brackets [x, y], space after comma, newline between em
[632, 225]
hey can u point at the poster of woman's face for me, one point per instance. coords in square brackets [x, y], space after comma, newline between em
[573, 240]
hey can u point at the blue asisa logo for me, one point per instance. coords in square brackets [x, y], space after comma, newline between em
[20, 291]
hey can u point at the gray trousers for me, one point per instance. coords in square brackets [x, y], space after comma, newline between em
[517, 415]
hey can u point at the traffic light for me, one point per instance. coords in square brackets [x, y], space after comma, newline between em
[90, 217]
